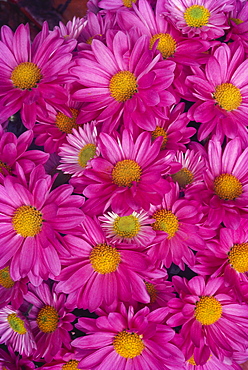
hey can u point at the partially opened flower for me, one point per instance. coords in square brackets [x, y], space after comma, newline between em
[129, 340]
[211, 319]
[50, 321]
[32, 73]
[32, 218]
[11, 291]
[126, 177]
[204, 18]
[15, 330]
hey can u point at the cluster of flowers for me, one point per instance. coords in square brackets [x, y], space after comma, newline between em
[142, 106]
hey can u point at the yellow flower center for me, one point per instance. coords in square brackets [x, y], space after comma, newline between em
[165, 221]
[128, 3]
[227, 96]
[4, 166]
[16, 324]
[151, 290]
[238, 257]
[71, 365]
[125, 172]
[227, 186]
[237, 20]
[27, 221]
[166, 45]
[65, 123]
[26, 75]
[183, 177]
[5, 279]
[47, 319]
[196, 16]
[104, 258]
[86, 153]
[123, 86]
[128, 345]
[191, 361]
[159, 131]
[208, 310]
[126, 226]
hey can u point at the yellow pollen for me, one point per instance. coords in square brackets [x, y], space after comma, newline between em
[86, 153]
[71, 365]
[4, 167]
[165, 221]
[5, 279]
[128, 345]
[47, 319]
[123, 86]
[65, 123]
[151, 290]
[27, 221]
[191, 361]
[128, 3]
[166, 45]
[237, 20]
[26, 75]
[238, 257]
[125, 172]
[126, 226]
[90, 39]
[227, 186]
[227, 96]
[104, 258]
[183, 177]
[208, 310]
[16, 324]
[159, 131]
[196, 16]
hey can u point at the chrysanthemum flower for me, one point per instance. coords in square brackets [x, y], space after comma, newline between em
[80, 148]
[116, 4]
[212, 363]
[12, 361]
[114, 86]
[50, 321]
[30, 222]
[226, 179]
[175, 224]
[211, 319]
[222, 95]
[15, 330]
[64, 360]
[132, 229]
[72, 29]
[238, 21]
[227, 257]
[100, 273]
[204, 18]
[32, 74]
[13, 151]
[127, 177]
[10, 290]
[129, 341]
[53, 126]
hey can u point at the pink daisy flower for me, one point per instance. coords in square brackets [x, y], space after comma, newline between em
[221, 90]
[213, 363]
[127, 177]
[31, 74]
[116, 4]
[227, 257]
[226, 179]
[50, 321]
[109, 272]
[11, 291]
[175, 224]
[129, 341]
[15, 330]
[11, 361]
[32, 218]
[135, 88]
[72, 29]
[132, 229]
[239, 23]
[210, 317]
[80, 149]
[64, 360]
[14, 152]
[204, 18]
